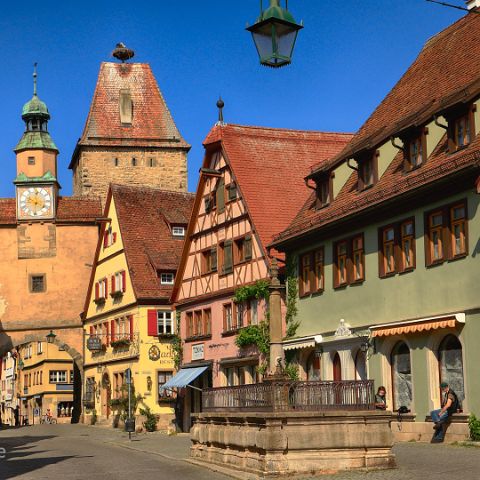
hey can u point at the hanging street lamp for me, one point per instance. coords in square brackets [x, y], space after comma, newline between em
[51, 337]
[275, 33]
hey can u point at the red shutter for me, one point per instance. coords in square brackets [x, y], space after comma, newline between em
[124, 281]
[113, 284]
[152, 323]
[91, 330]
[107, 340]
[114, 237]
[130, 319]
[97, 291]
[105, 240]
[105, 283]
[112, 330]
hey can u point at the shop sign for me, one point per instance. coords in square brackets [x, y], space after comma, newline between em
[94, 344]
[198, 352]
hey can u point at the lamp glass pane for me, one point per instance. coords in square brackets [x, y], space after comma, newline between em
[285, 40]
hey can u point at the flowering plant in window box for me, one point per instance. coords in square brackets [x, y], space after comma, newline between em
[100, 300]
[116, 294]
[121, 342]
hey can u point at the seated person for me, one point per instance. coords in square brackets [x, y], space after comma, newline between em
[380, 401]
[440, 416]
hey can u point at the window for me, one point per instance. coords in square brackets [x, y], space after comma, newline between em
[416, 153]
[248, 247]
[134, 162]
[189, 321]
[401, 376]
[446, 233]
[324, 192]
[199, 323]
[126, 107]
[178, 231]
[116, 162]
[227, 317]
[118, 283]
[207, 322]
[163, 378]
[232, 192]
[227, 256]
[360, 366]
[90, 389]
[31, 160]
[164, 323]
[109, 237]
[209, 261]
[151, 162]
[167, 278]
[397, 248]
[39, 348]
[240, 310]
[313, 367]
[349, 261]
[450, 365]
[367, 171]
[101, 290]
[311, 272]
[210, 202]
[239, 252]
[461, 129]
[58, 376]
[37, 283]
[253, 312]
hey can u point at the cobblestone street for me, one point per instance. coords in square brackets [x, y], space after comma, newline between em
[74, 452]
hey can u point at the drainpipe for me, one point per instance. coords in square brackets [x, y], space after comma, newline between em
[396, 145]
[438, 124]
[351, 166]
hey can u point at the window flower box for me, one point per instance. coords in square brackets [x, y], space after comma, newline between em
[122, 342]
[100, 301]
[117, 294]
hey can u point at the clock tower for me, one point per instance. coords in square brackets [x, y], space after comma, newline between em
[36, 182]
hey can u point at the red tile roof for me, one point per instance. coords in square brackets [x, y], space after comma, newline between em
[69, 210]
[147, 238]
[269, 165]
[445, 72]
[152, 123]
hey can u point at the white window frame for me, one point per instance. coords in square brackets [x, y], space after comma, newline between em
[165, 281]
[178, 231]
[165, 320]
[39, 348]
[118, 281]
[57, 376]
[102, 288]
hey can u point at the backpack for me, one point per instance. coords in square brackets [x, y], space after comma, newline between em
[455, 404]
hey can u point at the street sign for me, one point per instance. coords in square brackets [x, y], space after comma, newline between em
[128, 376]
[94, 344]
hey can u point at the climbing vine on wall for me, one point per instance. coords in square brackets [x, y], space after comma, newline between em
[258, 335]
[259, 290]
[291, 300]
[177, 343]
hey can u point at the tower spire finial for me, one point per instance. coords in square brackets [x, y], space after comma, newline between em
[220, 105]
[35, 79]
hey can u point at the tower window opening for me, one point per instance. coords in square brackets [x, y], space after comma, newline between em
[152, 162]
[134, 162]
[116, 162]
[31, 160]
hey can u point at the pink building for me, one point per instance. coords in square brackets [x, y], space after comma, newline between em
[251, 186]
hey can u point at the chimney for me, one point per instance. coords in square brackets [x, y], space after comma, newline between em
[471, 4]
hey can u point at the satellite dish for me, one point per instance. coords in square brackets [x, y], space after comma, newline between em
[318, 338]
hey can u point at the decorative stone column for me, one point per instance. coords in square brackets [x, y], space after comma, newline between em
[277, 355]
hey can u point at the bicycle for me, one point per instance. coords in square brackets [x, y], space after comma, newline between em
[48, 419]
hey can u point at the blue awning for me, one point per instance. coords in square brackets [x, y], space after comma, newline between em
[184, 377]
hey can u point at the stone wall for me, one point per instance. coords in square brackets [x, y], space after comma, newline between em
[98, 167]
[294, 443]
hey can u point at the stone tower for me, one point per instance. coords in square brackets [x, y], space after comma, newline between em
[130, 137]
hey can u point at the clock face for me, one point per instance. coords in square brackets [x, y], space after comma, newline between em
[35, 202]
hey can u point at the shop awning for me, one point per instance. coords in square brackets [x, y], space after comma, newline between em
[184, 377]
[417, 326]
[299, 344]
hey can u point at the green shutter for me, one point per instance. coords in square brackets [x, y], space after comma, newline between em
[248, 247]
[220, 194]
[213, 259]
[227, 258]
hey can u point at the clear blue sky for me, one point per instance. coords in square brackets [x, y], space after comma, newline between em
[347, 58]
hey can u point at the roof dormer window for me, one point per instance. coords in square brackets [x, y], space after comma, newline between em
[178, 231]
[415, 150]
[324, 191]
[461, 129]
[126, 107]
[368, 171]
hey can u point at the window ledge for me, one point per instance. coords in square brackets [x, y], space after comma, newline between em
[458, 257]
[100, 301]
[230, 333]
[197, 338]
[117, 294]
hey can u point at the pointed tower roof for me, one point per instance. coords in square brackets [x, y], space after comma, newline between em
[35, 114]
[150, 123]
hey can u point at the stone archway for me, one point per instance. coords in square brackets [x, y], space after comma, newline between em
[77, 359]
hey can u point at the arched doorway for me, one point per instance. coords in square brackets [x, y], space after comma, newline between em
[401, 376]
[450, 365]
[360, 366]
[106, 395]
[313, 367]
[337, 368]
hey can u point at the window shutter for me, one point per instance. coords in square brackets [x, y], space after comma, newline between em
[113, 284]
[97, 291]
[220, 193]
[213, 259]
[311, 276]
[112, 330]
[248, 247]
[152, 323]
[130, 321]
[91, 331]
[114, 237]
[301, 280]
[124, 282]
[381, 257]
[107, 334]
[208, 205]
[105, 239]
[105, 283]
[227, 259]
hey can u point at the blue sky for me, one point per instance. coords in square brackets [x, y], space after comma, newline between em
[347, 58]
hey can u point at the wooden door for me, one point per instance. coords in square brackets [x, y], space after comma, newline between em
[337, 368]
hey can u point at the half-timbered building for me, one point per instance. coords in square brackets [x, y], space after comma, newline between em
[251, 185]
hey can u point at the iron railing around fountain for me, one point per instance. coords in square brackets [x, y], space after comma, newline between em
[290, 396]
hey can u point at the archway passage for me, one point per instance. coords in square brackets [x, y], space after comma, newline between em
[45, 378]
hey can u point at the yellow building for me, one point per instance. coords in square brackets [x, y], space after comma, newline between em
[128, 317]
[45, 381]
